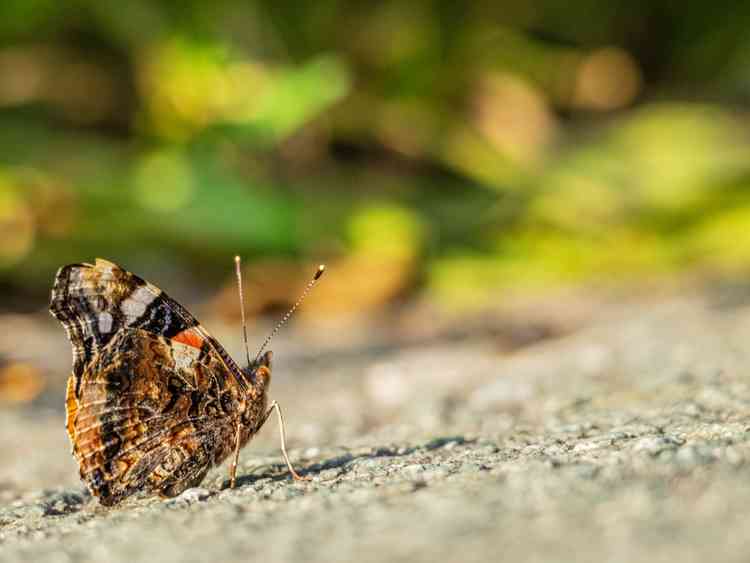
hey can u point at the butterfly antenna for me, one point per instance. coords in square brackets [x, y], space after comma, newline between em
[291, 311]
[238, 271]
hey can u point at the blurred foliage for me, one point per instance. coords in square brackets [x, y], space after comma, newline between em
[463, 150]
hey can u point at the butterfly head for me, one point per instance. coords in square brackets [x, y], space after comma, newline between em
[260, 370]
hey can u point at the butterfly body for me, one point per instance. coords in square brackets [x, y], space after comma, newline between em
[154, 401]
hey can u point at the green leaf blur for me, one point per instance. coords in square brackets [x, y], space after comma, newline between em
[471, 150]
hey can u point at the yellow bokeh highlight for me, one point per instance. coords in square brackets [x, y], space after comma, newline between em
[17, 225]
[163, 181]
[514, 117]
[607, 79]
[535, 262]
[672, 153]
[189, 86]
[721, 242]
[385, 231]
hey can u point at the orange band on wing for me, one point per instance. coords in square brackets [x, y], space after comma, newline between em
[190, 338]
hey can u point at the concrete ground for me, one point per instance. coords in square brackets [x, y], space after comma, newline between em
[618, 434]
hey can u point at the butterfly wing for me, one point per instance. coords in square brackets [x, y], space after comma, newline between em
[95, 301]
[149, 400]
[151, 413]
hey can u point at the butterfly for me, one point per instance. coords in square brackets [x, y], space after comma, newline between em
[154, 401]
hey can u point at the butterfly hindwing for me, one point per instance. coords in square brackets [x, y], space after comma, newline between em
[151, 414]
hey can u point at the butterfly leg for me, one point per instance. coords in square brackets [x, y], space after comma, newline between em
[235, 459]
[282, 430]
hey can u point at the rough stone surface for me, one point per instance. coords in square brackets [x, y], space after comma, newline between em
[625, 439]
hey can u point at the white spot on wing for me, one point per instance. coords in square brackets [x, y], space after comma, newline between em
[184, 355]
[135, 305]
[105, 323]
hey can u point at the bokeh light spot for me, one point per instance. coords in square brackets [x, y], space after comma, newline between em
[513, 116]
[164, 181]
[607, 79]
[385, 231]
[17, 226]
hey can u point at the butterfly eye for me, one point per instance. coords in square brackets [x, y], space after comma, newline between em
[265, 359]
[262, 375]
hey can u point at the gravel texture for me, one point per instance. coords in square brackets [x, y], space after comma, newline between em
[623, 436]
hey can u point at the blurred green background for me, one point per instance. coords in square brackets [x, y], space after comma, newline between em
[456, 152]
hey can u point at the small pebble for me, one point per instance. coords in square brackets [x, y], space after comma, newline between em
[196, 494]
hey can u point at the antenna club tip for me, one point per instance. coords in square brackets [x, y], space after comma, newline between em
[321, 269]
[237, 259]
